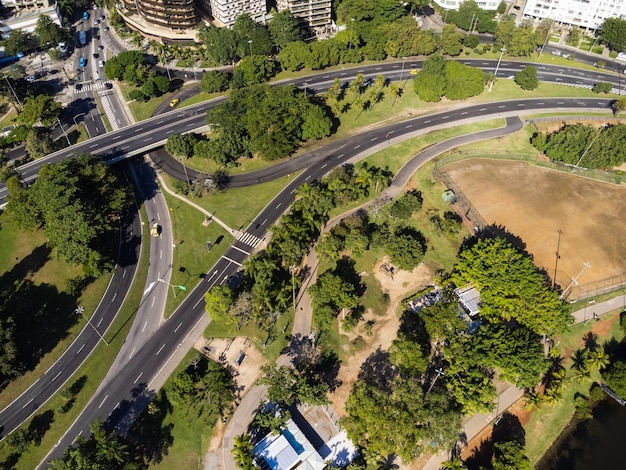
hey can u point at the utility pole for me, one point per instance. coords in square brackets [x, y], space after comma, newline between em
[81, 311]
[590, 144]
[497, 67]
[64, 133]
[439, 372]
[292, 270]
[556, 262]
[186, 176]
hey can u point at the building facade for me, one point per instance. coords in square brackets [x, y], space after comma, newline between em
[454, 4]
[227, 11]
[172, 14]
[587, 14]
[314, 13]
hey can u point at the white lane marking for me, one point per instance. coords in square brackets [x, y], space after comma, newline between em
[464, 113]
[144, 326]
[100, 322]
[372, 140]
[357, 147]
[81, 348]
[124, 148]
[131, 353]
[445, 117]
[92, 146]
[307, 178]
[231, 260]
[158, 216]
[324, 165]
[102, 402]
[160, 122]
[29, 402]
[153, 299]
[482, 109]
[264, 220]
[114, 295]
[426, 122]
[116, 137]
[161, 254]
[138, 377]
[170, 131]
[123, 274]
[340, 155]
[160, 349]
[148, 139]
[140, 129]
[292, 191]
[57, 376]
[521, 104]
[179, 325]
[279, 204]
[239, 249]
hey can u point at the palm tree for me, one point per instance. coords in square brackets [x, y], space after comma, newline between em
[581, 374]
[554, 395]
[396, 92]
[242, 452]
[579, 359]
[454, 463]
[387, 463]
[532, 400]
[598, 360]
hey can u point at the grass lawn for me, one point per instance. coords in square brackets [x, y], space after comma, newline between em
[191, 258]
[43, 278]
[190, 434]
[87, 378]
[238, 206]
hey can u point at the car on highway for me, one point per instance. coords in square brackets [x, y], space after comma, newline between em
[106, 28]
[101, 63]
[155, 230]
[174, 102]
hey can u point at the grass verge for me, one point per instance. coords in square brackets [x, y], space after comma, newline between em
[191, 257]
[88, 376]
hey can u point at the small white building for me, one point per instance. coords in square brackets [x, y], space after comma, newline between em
[583, 13]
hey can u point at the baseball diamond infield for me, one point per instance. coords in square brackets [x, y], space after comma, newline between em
[534, 203]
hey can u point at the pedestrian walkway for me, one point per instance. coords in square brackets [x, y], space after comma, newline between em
[208, 214]
[88, 86]
[108, 110]
[248, 239]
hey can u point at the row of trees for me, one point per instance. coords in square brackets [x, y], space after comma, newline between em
[440, 77]
[584, 145]
[47, 35]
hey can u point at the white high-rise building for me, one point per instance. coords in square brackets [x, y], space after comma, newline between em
[454, 4]
[588, 14]
[227, 11]
[315, 13]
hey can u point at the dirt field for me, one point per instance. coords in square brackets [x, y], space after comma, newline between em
[534, 203]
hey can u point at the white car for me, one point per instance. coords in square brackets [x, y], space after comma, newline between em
[101, 63]
[621, 56]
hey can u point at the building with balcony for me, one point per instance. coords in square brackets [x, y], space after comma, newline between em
[225, 12]
[172, 14]
[587, 14]
[313, 13]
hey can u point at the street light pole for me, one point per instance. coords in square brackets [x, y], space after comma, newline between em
[76, 124]
[306, 84]
[14, 94]
[292, 270]
[402, 72]
[351, 28]
[186, 176]
[181, 287]
[546, 39]
[589, 146]
[81, 310]
[495, 74]
[63, 130]
[439, 372]
[250, 43]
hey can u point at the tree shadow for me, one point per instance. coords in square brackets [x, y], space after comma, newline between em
[591, 341]
[481, 456]
[150, 437]
[40, 425]
[508, 428]
[378, 370]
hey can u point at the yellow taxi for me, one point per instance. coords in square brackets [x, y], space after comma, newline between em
[174, 102]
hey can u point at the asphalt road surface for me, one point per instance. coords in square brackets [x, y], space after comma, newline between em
[152, 133]
[131, 388]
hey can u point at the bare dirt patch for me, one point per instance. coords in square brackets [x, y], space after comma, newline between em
[534, 203]
[385, 326]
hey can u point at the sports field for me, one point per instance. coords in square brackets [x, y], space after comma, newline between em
[535, 203]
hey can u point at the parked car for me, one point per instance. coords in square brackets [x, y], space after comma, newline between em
[101, 63]
[621, 56]
[82, 62]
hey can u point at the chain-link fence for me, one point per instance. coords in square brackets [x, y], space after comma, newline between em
[596, 288]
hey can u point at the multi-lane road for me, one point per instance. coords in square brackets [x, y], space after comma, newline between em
[135, 139]
[132, 386]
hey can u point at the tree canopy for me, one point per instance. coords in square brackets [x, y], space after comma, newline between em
[613, 31]
[510, 286]
[455, 81]
[76, 201]
[40, 108]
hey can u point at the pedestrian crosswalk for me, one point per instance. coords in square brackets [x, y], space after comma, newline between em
[110, 113]
[83, 87]
[248, 239]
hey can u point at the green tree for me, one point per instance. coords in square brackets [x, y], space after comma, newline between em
[220, 43]
[242, 452]
[527, 78]
[510, 286]
[219, 300]
[181, 145]
[40, 108]
[462, 81]
[406, 248]
[38, 143]
[288, 386]
[620, 105]
[294, 55]
[252, 38]
[613, 32]
[509, 455]
[50, 33]
[254, 69]
[18, 41]
[284, 29]
[451, 40]
[330, 289]
[316, 124]
[615, 377]
[214, 81]
[574, 36]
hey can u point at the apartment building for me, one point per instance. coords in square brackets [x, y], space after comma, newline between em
[227, 11]
[171, 14]
[588, 14]
[314, 13]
